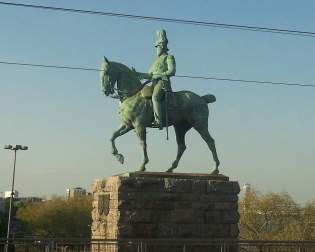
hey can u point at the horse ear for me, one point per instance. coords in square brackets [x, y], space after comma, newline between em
[104, 67]
[106, 60]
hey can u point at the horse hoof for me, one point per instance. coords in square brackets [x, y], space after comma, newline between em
[120, 158]
[142, 169]
[170, 170]
[215, 172]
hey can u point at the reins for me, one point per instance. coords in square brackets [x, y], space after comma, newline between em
[118, 94]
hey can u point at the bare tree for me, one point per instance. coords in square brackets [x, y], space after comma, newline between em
[271, 216]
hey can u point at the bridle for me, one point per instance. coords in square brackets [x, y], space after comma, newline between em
[118, 94]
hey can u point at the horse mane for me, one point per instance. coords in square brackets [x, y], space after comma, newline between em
[133, 82]
[120, 66]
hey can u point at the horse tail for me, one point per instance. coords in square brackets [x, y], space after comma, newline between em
[209, 98]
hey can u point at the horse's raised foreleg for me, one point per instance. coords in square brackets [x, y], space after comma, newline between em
[142, 135]
[203, 131]
[121, 131]
[180, 131]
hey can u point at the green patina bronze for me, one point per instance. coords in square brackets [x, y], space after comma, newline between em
[142, 106]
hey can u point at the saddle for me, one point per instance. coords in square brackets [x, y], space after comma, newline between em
[147, 91]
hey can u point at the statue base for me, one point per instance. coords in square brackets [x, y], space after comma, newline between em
[151, 205]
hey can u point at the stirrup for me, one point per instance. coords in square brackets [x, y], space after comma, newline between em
[156, 124]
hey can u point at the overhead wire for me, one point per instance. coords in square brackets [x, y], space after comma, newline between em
[181, 21]
[238, 81]
[169, 20]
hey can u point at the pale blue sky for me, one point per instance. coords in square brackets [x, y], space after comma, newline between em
[264, 134]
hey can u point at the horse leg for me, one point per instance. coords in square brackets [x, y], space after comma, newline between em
[121, 131]
[142, 135]
[203, 131]
[180, 131]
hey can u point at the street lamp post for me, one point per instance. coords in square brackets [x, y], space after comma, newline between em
[14, 148]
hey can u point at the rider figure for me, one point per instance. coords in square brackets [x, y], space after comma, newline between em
[161, 70]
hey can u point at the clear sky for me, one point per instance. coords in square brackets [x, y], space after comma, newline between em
[264, 134]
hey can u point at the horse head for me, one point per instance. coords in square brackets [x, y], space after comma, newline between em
[107, 79]
[126, 80]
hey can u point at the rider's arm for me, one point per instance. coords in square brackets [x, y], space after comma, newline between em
[142, 76]
[171, 69]
[145, 76]
[171, 66]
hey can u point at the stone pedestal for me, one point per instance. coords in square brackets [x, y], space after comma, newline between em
[150, 205]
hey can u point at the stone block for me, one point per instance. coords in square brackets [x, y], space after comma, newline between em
[164, 205]
[216, 197]
[183, 204]
[234, 230]
[225, 206]
[177, 185]
[212, 217]
[144, 230]
[157, 204]
[218, 230]
[230, 217]
[162, 216]
[224, 217]
[182, 216]
[135, 216]
[124, 230]
[199, 186]
[141, 184]
[222, 187]
[203, 206]
[193, 197]
[161, 196]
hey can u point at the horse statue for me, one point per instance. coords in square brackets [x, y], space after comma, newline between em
[188, 110]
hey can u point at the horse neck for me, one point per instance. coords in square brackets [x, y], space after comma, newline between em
[127, 82]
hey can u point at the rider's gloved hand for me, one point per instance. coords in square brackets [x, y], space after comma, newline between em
[157, 76]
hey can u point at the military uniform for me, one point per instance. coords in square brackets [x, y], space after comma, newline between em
[161, 70]
[163, 67]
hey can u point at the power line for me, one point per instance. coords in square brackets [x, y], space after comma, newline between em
[169, 20]
[247, 81]
[49, 66]
[238, 81]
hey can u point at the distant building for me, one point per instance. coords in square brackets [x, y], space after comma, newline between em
[247, 188]
[29, 199]
[7, 194]
[76, 192]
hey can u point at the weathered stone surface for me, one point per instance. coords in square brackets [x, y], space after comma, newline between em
[224, 217]
[195, 176]
[219, 197]
[230, 217]
[135, 216]
[177, 185]
[162, 216]
[225, 206]
[138, 184]
[184, 216]
[213, 217]
[144, 230]
[222, 187]
[234, 230]
[161, 205]
[199, 186]
[218, 230]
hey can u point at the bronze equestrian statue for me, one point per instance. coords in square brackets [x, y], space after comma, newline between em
[142, 106]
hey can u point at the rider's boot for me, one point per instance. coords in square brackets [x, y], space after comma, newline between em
[156, 124]
[157, 115]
